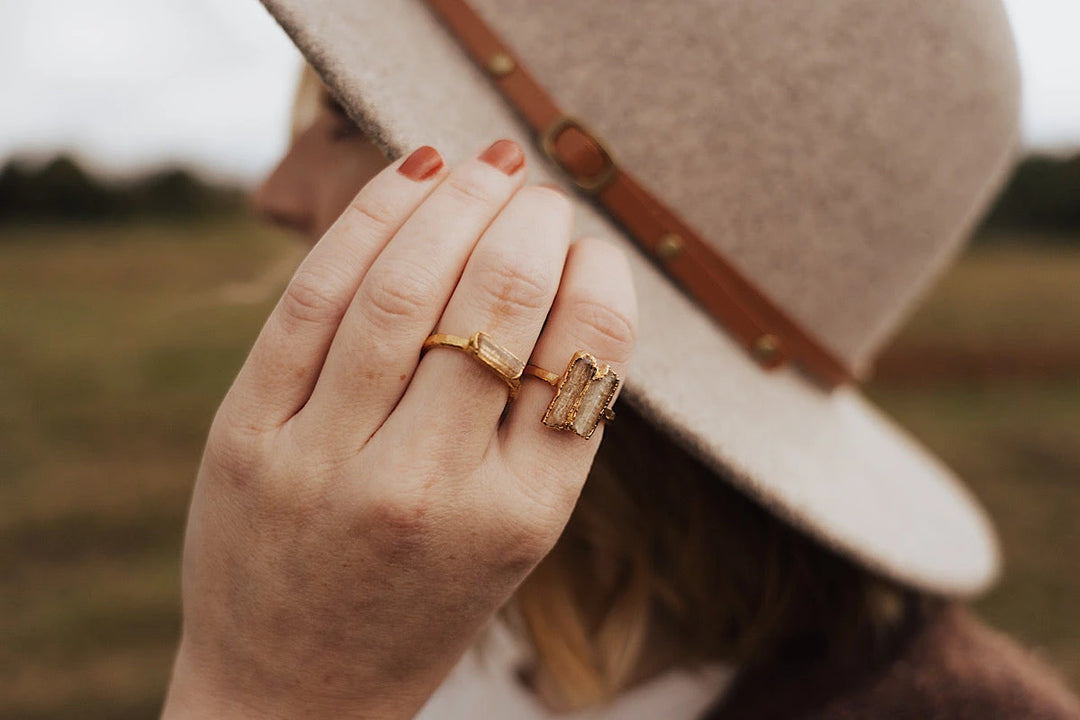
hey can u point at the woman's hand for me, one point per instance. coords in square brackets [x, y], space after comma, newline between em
[361, 512]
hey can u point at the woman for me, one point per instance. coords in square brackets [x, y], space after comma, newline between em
[364, 506]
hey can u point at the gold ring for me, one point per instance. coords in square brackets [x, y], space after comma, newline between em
[490, 354]
[583, 394]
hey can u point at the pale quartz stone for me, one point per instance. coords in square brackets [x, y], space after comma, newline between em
[593, 401]
[561, 411]
[498, 358]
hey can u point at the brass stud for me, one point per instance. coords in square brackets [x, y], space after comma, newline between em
[669, 247]
[500, 65]
[768, 349]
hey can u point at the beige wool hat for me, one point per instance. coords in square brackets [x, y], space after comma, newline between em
[835, 153]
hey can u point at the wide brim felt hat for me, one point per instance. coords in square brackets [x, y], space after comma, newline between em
[836, 154]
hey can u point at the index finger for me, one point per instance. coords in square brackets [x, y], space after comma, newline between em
[284, 364]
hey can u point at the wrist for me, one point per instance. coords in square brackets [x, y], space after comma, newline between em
[196, 692]
[192, 696]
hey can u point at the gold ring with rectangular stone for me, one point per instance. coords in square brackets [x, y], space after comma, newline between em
[487, 352]
[583, 394]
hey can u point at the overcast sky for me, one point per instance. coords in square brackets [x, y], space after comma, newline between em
[128, 84]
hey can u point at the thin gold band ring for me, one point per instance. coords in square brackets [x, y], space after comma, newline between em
[487, 352]
[546, 375]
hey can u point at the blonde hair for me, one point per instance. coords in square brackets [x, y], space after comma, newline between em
[311, 93]
[663, 564]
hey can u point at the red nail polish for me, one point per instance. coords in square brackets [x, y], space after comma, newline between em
[504, 155]
[423, 163]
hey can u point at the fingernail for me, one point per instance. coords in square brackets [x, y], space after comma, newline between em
[505, 155]
[423, 163]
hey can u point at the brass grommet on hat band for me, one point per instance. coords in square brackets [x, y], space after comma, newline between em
[487, 352]
[583, 394]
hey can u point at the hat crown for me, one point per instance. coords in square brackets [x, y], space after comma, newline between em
[837, 154]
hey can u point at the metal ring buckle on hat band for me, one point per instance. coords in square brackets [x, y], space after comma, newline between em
[487, 352]
[592, 184]
[583, 394]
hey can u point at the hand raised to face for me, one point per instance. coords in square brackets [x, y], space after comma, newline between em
[363, 509]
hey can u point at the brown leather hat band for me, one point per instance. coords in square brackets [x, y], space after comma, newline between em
[731, 299]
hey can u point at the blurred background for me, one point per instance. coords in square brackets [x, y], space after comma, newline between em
[133, 280]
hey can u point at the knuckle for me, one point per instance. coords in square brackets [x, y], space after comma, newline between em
[532, 515]
[235, 449]
[610, 331]
[511, 286]
[395, 294]
[373, 212]
[401, 523]
[470, 189]
[525, 537]
[401, 516]
[293, 495]
[552, 196]
[309, 300]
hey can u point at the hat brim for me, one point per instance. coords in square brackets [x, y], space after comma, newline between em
[829, 463]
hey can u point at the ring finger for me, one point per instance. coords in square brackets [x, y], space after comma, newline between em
[506, 292]
[596, 312]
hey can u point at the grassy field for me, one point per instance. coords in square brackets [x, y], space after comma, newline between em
[987, 374]
[116, 344]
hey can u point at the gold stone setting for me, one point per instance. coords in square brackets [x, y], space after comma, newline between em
[583, 396]
[487, 352]
[504, 363]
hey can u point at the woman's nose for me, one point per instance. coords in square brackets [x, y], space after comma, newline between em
[282, 199]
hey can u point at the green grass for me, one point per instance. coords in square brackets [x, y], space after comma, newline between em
[117, 343]
[1004, 294]
[1011, 431]
[1018, 448]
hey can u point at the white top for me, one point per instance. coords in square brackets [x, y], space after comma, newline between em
[484, 684]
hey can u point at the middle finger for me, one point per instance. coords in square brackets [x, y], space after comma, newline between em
[505, 292]
[377, 345]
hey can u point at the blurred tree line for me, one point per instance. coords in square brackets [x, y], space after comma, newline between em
[62, 190]
[1043, 195]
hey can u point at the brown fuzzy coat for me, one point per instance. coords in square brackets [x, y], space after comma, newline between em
[944, 666]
